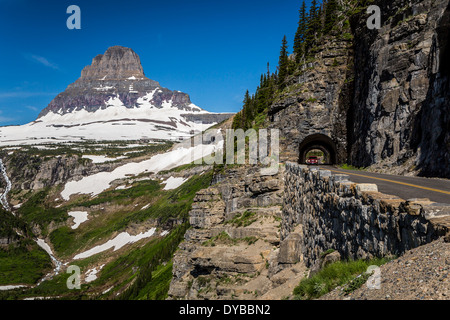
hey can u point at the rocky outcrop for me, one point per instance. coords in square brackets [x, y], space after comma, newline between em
[118, 73]
[402, 85]
[118, 63]
[233, 248]
[32, 172]
[374, 98]
[355, 219]
[313, 102]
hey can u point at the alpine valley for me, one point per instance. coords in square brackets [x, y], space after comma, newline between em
[105, 181]
[102, 180]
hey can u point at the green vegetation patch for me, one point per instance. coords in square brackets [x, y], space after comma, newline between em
[153, 259]
[334, 275]
[23, 264]
[346, 166]
[242, 219]
[224, 238]
[37, 210]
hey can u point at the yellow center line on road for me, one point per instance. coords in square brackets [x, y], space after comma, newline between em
[387, 180]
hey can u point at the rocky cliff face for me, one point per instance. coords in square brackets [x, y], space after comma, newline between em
[375, 98]
[233, 249]
[401, 100]
[33, 172]
[118, 63]
[314, 102]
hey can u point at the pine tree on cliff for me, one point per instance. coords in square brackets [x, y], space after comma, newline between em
[260, 95]
[283, 63]
[237, 121]
[331, 11]
[313, 26]
[248, 110]
[300, 35]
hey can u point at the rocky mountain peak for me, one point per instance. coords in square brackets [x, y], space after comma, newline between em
[117, 63]
[113, 92]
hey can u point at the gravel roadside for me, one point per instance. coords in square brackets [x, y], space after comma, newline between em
[420, 274]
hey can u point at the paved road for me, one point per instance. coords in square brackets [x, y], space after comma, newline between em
[437, 190]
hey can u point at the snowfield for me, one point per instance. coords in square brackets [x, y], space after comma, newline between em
[99, 182]
[11, 287]
[118, 242]
[101, 159]
[91, 274]
[111, 123]
[173, 183]
[79, 217]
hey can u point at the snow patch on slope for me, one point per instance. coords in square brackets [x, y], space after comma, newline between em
[118, 242]
[99, 182]
[110, 123]
[79, 217]
[101, 159]
[173, 183]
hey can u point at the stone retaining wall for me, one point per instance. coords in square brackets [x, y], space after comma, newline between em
[354, 219]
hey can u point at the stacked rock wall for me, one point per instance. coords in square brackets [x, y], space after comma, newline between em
[354, 219]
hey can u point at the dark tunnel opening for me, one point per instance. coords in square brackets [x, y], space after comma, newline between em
[318, 142]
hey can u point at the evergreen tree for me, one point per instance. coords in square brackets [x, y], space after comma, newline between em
[248, 111]
[283, 63]
[300, 35]
[313, 26]
[331, 11]
[237, 121]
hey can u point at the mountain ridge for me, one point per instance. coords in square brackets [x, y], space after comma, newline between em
[111, 95]
[116, 72]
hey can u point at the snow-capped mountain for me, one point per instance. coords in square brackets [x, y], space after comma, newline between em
[114, 100]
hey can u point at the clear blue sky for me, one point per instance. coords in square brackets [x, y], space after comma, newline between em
[213, 50]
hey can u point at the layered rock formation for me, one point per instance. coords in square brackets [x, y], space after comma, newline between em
[355, 219]
[401, 100]
[37, 172]
[314, 105]
[377, 98]
[118, 63]
[233, 249]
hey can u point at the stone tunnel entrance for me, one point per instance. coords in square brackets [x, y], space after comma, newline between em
[321, 143]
